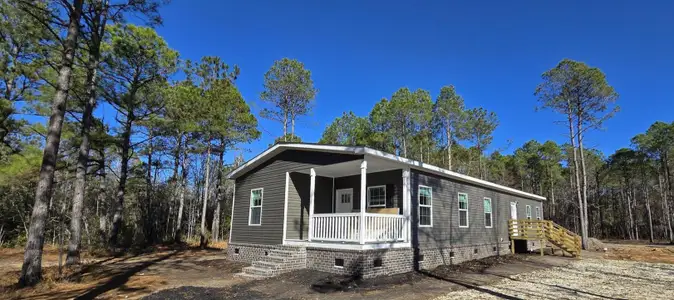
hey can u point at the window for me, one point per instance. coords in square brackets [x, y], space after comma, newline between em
[376, 196]
[425, 206]
[528, 212]
[339, 263]
[487, 213]
[255, 213]
[377, 262]
[538, 213]
[463, 210]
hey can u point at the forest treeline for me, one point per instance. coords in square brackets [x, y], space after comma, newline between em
[109, 139]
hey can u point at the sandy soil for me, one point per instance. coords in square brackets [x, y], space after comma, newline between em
[131, 276]
[206, 274]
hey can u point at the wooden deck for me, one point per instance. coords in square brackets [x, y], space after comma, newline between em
[544, 231]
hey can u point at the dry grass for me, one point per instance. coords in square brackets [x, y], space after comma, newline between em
[222, 245]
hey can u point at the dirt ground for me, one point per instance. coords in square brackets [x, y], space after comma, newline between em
[129, 276]
[637, 252]
[309, 284]
[205, 274]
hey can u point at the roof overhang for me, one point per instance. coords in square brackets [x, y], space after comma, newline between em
[360, 150]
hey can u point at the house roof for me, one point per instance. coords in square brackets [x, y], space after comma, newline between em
[361, 150]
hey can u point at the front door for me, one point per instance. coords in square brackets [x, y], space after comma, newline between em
[344, 201]
[513, 215]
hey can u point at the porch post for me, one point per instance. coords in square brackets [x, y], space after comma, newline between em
[363, 196]
[312, 188]
[407, 203]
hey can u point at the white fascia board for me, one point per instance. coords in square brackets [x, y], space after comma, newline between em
[447, 173]
[359, 150]
[280, 147]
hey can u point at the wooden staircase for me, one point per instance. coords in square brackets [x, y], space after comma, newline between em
[544, 231]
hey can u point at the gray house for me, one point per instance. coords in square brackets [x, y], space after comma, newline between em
[356, 210]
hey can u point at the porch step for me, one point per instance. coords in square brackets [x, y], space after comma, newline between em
[285, 253]
[267, 264]
[276, 262]
[257, 271]
[251, 276]
[275, 259]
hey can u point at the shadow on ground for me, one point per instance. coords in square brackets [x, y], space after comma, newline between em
[414, 285]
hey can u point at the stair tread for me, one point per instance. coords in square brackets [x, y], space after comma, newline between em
[267, 263]
[257, 269]
[254, 276]
[284, 251]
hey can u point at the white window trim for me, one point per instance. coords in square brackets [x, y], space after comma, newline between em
[458, 202]
[250, 206]
[368, 195]
[527, 212]
[538, 212]
[425, 205]
[491, 213]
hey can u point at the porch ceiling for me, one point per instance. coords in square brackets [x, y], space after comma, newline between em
[353, 168]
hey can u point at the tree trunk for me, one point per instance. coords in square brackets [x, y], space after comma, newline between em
[552, 195]
[572, 137]
[102, 199]
[121, 189]
[629, 213]
[215, 225]
[479, 161]
[149, 224]
[584, 177]
[648, 210]
[204, 239]
[292, 126]
[31, 271]
[73, 256]
[668, 216]
[182, 186]
[668, 194]
[285, 126]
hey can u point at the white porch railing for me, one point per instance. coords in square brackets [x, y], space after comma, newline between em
[345, 227]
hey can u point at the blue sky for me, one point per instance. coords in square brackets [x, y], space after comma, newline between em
[492, 51]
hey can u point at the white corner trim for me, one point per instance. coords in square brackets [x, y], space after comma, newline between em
[407, 202]
[312, 190]
[285, 209]
[359, 150]
[334, 205]
[363, 200]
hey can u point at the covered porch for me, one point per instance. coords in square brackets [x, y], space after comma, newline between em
[360, 204]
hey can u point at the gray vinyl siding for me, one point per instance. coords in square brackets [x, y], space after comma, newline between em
[272, 177]
[299, 188]
[445, 231]
[391, 179]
